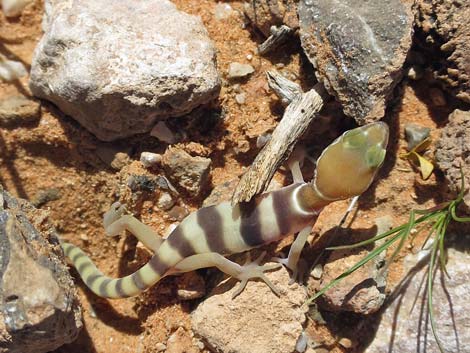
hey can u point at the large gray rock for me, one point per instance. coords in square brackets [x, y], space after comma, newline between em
[404, 326]
[118, 66]
[39, 309]
[358, 48]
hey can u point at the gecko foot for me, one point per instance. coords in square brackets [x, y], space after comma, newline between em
[252, 270]
[297, 269]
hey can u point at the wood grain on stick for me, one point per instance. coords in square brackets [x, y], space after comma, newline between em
[299, 113]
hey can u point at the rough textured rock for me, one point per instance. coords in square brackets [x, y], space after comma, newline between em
[39, 308]
[17, 110]
[266, 13]
[415, 134]
[118, 66]
[255, 321]
[358, 49]
[220, 193]
[362, 292]
[453, 151]
[189, 173]
[404, 326]
[445, 27]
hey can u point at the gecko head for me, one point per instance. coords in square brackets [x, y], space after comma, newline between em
[348, 166]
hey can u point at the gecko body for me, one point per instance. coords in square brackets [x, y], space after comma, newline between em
[346, 168]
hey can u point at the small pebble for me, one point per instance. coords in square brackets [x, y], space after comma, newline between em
[346, 342]
[317, 271]
[13, 8]
[149, 159]
[249, 57]
[11, 70]
[222, 11]
[178, 213]
[240, 98]
[15, 110]
[165, 201]
[415, 73]
[163, 133]
[160, 347]
[415, 134]
[262, 140]
[437, 97]
[237, 70]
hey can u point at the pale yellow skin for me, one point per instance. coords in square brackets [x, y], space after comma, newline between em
[345, 169]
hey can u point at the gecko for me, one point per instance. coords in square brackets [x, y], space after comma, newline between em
[345, 169]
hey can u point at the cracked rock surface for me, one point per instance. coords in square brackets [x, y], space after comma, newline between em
[118, 66]
[358, 49]
[39, 309]
[446, 31]
[453, 151]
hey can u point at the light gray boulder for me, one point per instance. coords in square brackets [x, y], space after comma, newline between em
[119, 66]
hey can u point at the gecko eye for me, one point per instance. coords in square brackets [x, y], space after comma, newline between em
[375, 156]
[354, 139]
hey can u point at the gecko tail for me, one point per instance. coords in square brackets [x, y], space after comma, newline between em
[114, 288]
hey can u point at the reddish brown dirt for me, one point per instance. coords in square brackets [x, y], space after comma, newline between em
[58, 153]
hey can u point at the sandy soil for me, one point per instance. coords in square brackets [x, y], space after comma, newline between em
[58, 153]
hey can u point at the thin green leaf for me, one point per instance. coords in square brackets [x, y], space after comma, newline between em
[357, 265]
[457, 218]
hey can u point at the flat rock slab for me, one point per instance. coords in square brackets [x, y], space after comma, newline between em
[256, 321]
[358, 48]
[39, 309]
[118, 66]
[404, 325]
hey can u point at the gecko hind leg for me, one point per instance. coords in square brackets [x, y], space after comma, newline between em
[116, 220]
[243, 273]
[295, 160]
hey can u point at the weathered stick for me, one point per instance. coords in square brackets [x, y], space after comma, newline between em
[278, 36]
[299, 113]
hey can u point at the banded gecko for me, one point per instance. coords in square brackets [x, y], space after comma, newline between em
[345, 169]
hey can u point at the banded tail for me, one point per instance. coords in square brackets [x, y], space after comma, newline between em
[107, 287]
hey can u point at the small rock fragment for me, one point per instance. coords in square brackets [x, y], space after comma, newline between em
[190, 286]
[180, 341]
[220, 193]
[317, 271]
[149, 159]
[267, 13]
[143, 183]
[160, 347]
[113, 156]
[453, 152]
[11, 70]
[13, 8]
[17, 110]
[415, 134]
[222, 11]
[256, 320]
[119, 67]
[404, 325]
[415, 73]
[237, 70]
[178, 213]
[44, 196]
[189, 173]
[358, 50]
[163, 133]
[240, 98]
[39, 307]
[165, 201]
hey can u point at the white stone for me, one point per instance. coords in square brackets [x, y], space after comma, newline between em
[13, 8]
[119, 66]
[11, 70]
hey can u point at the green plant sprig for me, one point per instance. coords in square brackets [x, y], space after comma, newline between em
[437, 219]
